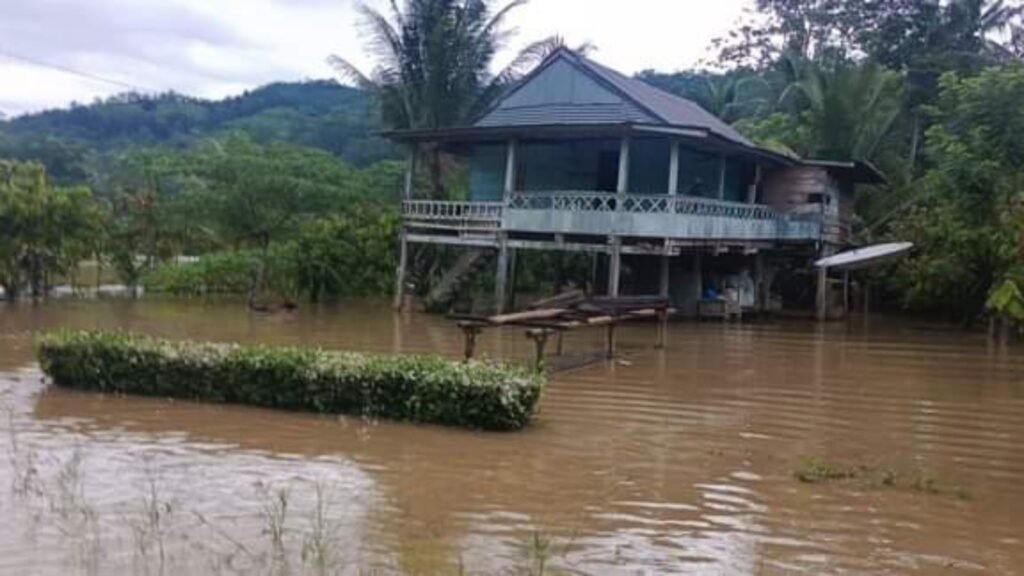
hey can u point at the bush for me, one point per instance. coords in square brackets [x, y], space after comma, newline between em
[216, 273]
[479, 395]
[351, 254]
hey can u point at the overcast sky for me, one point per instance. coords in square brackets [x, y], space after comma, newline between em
[214, 48]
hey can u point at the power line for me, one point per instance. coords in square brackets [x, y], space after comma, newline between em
[72, 71]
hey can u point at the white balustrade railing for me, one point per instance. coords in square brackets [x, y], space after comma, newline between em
[469, 214]
[640, 204]
[603, 213]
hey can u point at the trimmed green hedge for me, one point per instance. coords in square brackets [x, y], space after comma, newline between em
[479, 395]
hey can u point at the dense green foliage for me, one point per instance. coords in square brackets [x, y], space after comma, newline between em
[965, 212]
[320, 114]
[44, 231]
[479, 395]
[233, 195]
[350, 253]
[213, 273]
[926, 91]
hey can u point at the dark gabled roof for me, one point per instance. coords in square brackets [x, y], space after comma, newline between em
[640, 103]
[615, 104]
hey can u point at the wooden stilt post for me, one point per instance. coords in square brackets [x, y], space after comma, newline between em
[501, 275]
[664, 291]
[403, 261]
[622, 189]
[761, 290]
[540, 340]
[403, 254]
[513, 275]
[846, 293]
[698, 273]
[614, 266]
[666, 268]
[662, 329]
[610, 341]
[469, 334]
[822, 296]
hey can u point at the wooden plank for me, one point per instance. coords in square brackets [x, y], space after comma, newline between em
[563, 300]
[527, 315]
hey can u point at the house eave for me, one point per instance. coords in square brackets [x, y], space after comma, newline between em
[697, 137]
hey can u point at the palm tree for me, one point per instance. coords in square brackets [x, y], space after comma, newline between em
[434, 65]
[733, 96]
[851, 110]
[968, 25]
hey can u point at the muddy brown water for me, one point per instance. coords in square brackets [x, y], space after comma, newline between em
[674, 461]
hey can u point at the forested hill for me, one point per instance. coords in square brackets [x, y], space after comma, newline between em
[320, 114]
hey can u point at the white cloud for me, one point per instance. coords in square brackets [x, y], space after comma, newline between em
[213, 48]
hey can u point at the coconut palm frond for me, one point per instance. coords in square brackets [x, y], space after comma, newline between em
[349, 73]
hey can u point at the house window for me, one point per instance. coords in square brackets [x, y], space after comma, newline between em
[698, 173]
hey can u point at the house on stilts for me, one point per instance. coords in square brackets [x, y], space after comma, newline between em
[669, 199]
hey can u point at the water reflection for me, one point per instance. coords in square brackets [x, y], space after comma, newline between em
[675, 461]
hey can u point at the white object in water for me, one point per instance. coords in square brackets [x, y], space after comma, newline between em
[866, 257]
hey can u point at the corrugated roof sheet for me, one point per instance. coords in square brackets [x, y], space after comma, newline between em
[642, 103]
[554, 114]
[672, 109]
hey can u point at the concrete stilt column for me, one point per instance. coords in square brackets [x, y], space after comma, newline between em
[403, 261]
[501, 276]
[614, 266]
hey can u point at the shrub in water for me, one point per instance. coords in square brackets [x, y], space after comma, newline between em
[482, 395]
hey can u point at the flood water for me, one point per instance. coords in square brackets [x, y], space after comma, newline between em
[676, 461]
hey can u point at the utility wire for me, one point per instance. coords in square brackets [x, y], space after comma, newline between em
[72, 71]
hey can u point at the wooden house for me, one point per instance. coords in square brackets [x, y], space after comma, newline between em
[578, 157]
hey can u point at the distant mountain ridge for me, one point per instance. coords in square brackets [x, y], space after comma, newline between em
[319, 113]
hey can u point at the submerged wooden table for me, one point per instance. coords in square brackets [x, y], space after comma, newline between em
[567, 312]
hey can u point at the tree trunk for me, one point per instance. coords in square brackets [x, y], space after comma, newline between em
[256, 287]
[915, 139]
[35, 277]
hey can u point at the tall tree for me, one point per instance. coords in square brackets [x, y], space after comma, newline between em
[254, 196]
[44, 231]
[967, 216]
[849, 111]
[731, 96]
[434, 65]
